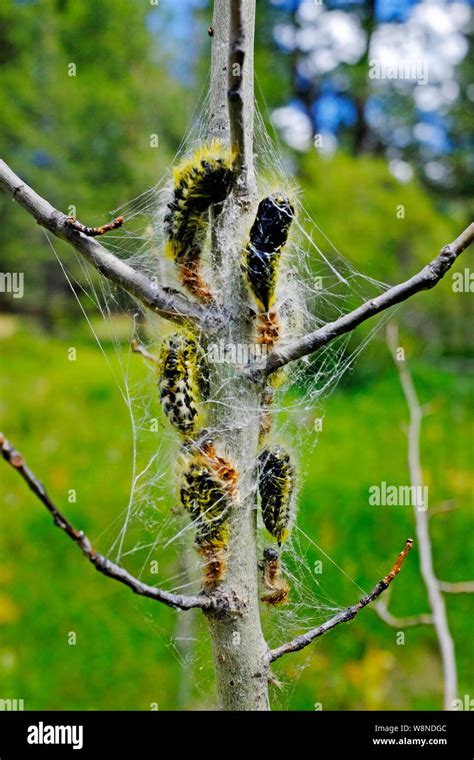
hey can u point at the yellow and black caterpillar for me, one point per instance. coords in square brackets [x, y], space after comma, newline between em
[276, 484]
[179, 382]
[200, 181]
[208, 503]
[207, 494]
[268, 236]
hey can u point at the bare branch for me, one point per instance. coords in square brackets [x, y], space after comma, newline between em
[436, 599]
[300, 642]
[381, 608]
[462, 587]
[427, 278]
[170, 306]
[101, 563]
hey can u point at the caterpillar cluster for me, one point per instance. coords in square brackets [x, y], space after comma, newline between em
[207, 494]
[209, 481]
[267, 238]
[276, 485]
[200, 181]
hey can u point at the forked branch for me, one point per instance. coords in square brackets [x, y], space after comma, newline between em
[101, 563]
[300, 642]
[427, 278]
[381, 608]
[172, 306]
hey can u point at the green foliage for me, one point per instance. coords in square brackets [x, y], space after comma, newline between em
[82, 140]
[74, 429]
[389, 231]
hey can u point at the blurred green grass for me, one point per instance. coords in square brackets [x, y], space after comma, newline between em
[68, 419]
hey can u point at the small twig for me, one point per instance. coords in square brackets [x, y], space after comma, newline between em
[94, 231]
[170, 306]
[137, 348]
[398, 563]
[427, 278]
[101, 563]
[461, 587]
[300, 642]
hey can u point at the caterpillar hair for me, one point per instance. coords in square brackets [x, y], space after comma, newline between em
[276, 586]
[276, 484]
[266, 420]
[221, 467]
[268, 236]
[94, 231]
[203, 180]
[178, 382]
[208, 502]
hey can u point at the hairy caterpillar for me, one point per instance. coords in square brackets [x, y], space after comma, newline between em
[208, 502]
[276, 483]
[268, 236]
[209, 489]
[178, 382]
[200, 181]
[94, 231]
[277, 587]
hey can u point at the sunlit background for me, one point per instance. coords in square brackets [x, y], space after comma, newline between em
[362, 145]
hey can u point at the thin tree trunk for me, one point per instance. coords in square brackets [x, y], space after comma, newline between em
[436, 599]
[239, 648]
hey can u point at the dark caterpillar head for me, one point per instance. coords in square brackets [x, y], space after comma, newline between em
[270, 554]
